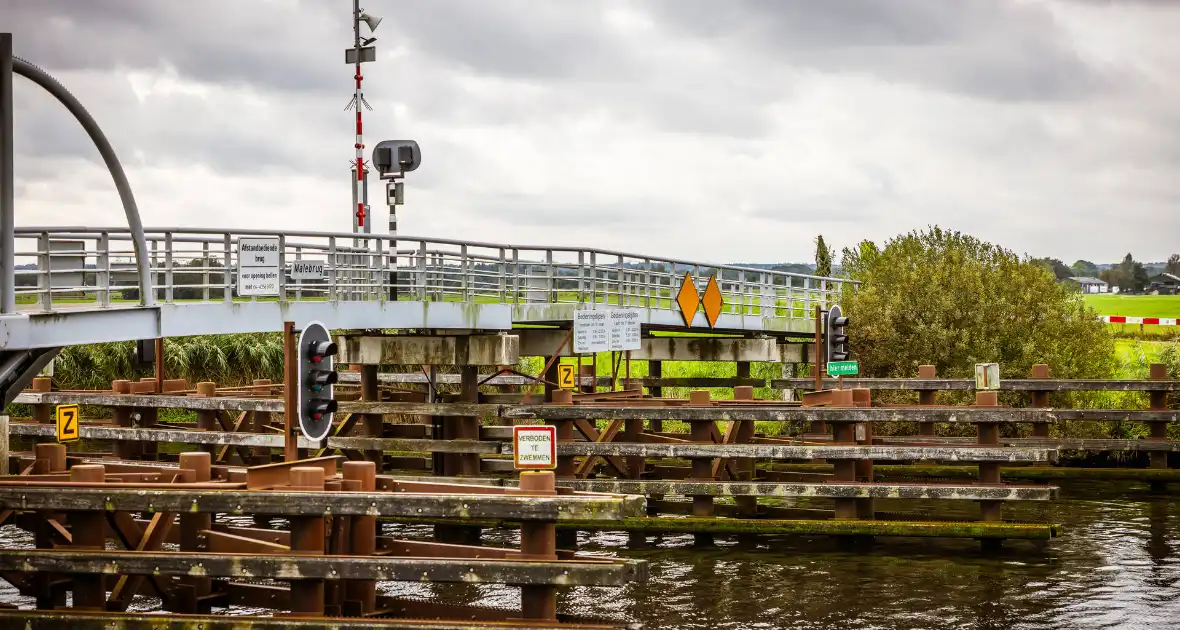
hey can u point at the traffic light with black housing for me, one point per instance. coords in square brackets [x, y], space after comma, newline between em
[316, 379]
[836, 336]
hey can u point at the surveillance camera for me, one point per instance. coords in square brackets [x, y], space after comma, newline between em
[396, 156]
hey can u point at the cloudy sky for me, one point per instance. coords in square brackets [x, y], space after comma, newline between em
[715, 131]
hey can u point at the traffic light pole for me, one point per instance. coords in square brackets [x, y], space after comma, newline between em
[290, 394]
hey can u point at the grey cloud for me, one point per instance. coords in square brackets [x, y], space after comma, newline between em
[295, 47]
[1001, 50]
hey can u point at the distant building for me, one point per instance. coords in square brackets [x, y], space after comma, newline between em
[1089, 285]
[1164, 284]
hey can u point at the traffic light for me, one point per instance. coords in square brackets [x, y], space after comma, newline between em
[836, 336]
[316, 380]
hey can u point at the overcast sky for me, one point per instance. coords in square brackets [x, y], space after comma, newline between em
[718, 131]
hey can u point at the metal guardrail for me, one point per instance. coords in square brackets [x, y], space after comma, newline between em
[64, 267]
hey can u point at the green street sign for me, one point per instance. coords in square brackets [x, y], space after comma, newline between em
[843, 368]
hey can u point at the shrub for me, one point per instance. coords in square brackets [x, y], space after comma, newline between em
[951, 300]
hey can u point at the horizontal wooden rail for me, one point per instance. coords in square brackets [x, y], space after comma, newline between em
[961, 384]
[287, 502]
[966, 492]
[287, 567]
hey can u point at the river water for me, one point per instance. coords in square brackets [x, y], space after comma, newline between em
[1116, 566]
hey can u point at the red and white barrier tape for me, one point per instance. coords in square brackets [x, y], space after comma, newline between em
[1154, 321]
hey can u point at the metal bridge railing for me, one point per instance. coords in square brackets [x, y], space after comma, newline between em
[66, 267]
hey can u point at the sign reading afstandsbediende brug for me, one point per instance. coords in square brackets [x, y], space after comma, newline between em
[258, 267]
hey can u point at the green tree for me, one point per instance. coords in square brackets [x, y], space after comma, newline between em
[1055, 267]
[951, 300]
[1173, 266]
[1084, 269]
[823, 257]
[1139, 278]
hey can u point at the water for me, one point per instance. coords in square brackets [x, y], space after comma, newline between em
[1116, 566]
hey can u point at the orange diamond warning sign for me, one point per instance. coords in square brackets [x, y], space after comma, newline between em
[688, 299]
[712, 301]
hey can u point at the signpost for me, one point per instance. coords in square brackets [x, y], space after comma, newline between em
[606, 330]
[843, 368]
[67, 423]
[534, 447]
[258, 267]
[565, 376]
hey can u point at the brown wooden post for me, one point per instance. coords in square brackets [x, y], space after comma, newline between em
[538, 541]
[701, 431]
[146, 417]
[362, 537]
[42, 413]
[655, 369]
[206, 419]
[373, 423]
[88, 530]
[307, 538]
[989, 472]
[195, 467]
[290, 396]
[746, 505]
[1159, 430]
[124, 449]
[863, 432]
[49, 457]
[1040, 399]
[927, 397]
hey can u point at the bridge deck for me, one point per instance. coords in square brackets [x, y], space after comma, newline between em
[80, 285]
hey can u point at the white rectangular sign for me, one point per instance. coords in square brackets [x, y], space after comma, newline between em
[624, 330]
[258, 266]
[303, 270]
[534, 447]
[606, 330]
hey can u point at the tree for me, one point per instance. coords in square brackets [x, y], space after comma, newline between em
[951, 300]
[1054, 266]
[1139, 278]
[1173, 266]
[1084, 269]
[823, 257]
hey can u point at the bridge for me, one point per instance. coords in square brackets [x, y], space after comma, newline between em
[62, 286]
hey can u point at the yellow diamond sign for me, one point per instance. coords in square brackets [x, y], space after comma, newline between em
[688, 299]
[712, 301]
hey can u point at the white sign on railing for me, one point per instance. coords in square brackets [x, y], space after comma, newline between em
[304, 270]
[258, 266]
[606, 330]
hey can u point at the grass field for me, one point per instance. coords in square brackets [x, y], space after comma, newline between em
[1135, 305]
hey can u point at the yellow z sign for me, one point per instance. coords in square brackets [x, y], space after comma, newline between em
[68, 418]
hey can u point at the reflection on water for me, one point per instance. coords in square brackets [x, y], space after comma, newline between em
[1116, 566]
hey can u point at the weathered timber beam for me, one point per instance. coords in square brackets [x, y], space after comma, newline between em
[1060, 444]
[777, 451]
[1016, 384]
[816, 490]
[621, 411]
[350, 378]
[832, 527]
[254, 439]
[161, 401]
[315, 503]
[285, 567]
[87, 620]
[808, 526]
[1025, 473]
